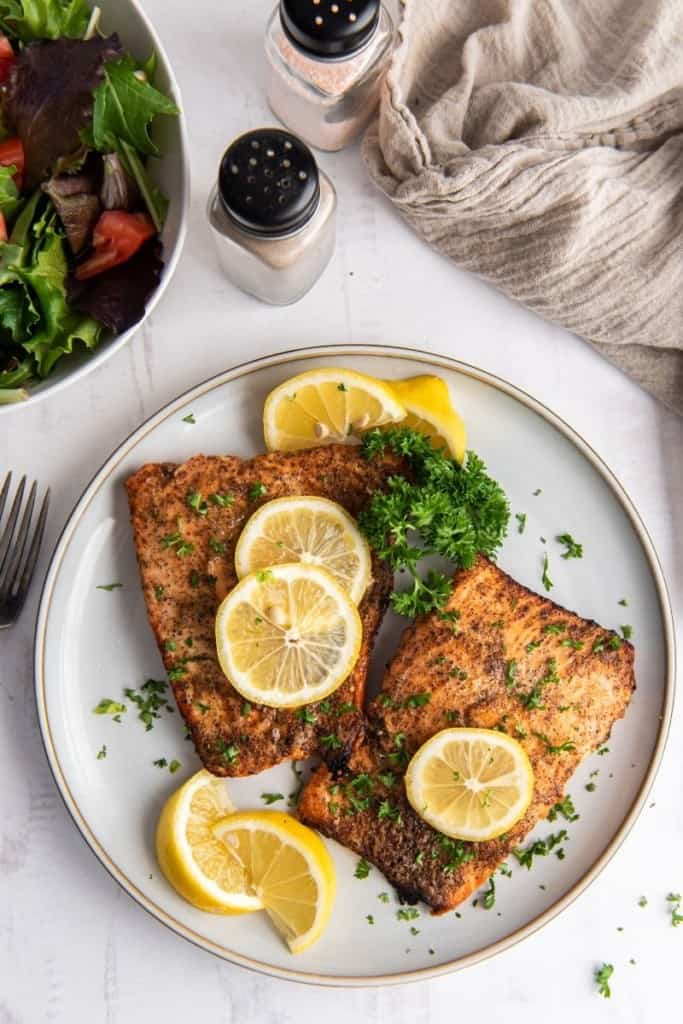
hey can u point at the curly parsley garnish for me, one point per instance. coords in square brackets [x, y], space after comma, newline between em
[446, 509]
[540, 848]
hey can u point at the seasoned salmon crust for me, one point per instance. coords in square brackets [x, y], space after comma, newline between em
[497, 657]
[186, 520]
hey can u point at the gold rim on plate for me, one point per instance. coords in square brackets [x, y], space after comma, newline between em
[433, 361]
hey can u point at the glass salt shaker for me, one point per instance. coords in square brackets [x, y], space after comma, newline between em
[326, 62]
[272, 213]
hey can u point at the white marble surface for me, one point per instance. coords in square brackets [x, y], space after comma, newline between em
[73, 947]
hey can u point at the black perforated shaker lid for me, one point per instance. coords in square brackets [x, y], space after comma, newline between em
[268, 182]
[329, 28]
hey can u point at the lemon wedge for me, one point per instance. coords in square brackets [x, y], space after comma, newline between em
[429, 409]
[288, 635]
[471, 784]
[195, 863]
[326, 406]
[314, 531]
[289, 870]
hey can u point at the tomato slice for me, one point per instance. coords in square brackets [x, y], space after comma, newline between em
[12, 154]
[6, 51]
[117, 236]
[3, 228]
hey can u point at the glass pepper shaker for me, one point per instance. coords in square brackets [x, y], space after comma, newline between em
[272, 213]
[326, 62]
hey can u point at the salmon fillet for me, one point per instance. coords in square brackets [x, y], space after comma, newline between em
[501, 657]
[186, 559]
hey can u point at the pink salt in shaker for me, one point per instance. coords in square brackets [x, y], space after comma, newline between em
[326, 62]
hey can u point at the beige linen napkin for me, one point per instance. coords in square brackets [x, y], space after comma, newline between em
[539, 143]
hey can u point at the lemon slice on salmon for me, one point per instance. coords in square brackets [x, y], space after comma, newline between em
[288, 635]
[471, 784]
[326, 406]
[311, 530]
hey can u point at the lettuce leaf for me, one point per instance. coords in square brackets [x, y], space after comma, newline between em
[50, 99]
[125, 106]
[34, 310]
[30, 20]
[10, 201]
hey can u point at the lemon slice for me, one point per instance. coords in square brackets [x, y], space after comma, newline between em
[288, 635]
[192, 859]
[314, 531]
[429, 409]
[327, 406]
[471, 784]
[289, 870]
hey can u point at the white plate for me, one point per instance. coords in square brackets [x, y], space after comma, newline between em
[171, 172]
[91, 644]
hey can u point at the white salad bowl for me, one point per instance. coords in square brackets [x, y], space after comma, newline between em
[170, 171]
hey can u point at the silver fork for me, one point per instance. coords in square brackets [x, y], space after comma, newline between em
[18, 553]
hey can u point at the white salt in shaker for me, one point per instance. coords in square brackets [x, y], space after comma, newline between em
[272, 213]
[326, 61]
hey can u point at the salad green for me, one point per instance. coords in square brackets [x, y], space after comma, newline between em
[79, 212]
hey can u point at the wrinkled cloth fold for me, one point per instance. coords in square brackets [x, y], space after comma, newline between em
[539, 144]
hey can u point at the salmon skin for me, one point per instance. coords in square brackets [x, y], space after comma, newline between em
[497, 657]
[186, 520]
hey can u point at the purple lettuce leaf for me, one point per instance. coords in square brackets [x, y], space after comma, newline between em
[50, 99]
[117, 297]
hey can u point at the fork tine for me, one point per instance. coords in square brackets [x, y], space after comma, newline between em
[6, 539]
[33, 552]
[4, 492]
[16, 555]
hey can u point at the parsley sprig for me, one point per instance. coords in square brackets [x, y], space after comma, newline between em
[444, 509]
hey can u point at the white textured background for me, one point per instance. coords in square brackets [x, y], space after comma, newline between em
[73, 947]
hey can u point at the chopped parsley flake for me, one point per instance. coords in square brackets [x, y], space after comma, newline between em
[573, 549]
[510, 672]
[342, 387]
[202, 707]
[537, 492]
[564, 808]
[107, 706]
[174, 766]
[195, 501]
[362, 869]
[555, 748]
[369, 918]
[102, 752]
[271, 798]
[180, 546]
[623, 602]
[532, 645]
[407, 913]
[257, 490]
[110, 586]
[642, 902]
[159, 593]
[149, 701]
[521, 521]
[626, 632]
[222, 500]
[545, 578]
[245, 709]
[576, 645]
[590, 787]
[602, 977]
[217, 545]
[539, 848]
[189, 418]
[388, 810]
[505, 870]
[161, 762]
[489, 897]
[305, 714]
[331, 741]
[676, 917]
[383, 897]
[228, 751]
[555, 627]
[417, 700]
[265, 575]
